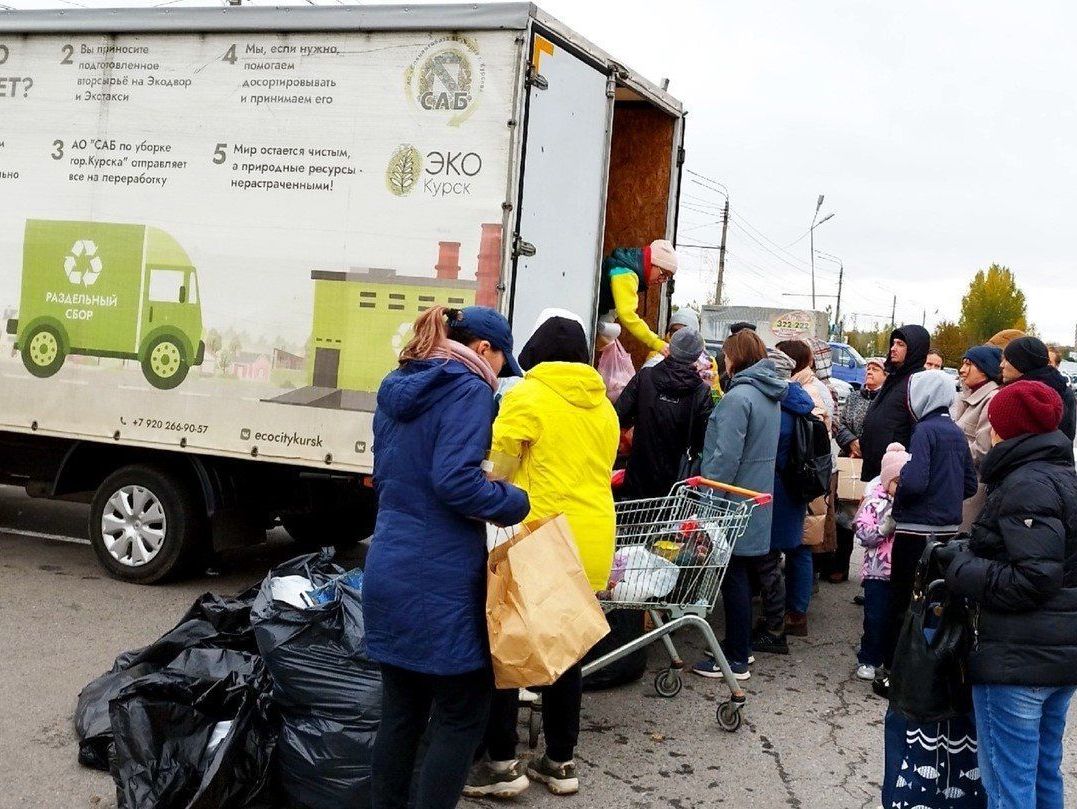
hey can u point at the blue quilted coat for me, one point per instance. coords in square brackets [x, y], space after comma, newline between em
[424, 588]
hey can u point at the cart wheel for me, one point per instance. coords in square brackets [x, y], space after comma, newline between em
[668, 683]
[534, 728]
[729, 716]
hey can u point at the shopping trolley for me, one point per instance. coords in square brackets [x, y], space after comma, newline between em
[671, 556]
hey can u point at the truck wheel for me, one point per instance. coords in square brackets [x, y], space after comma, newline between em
[147, 524]
[163, 364]
[42, 351]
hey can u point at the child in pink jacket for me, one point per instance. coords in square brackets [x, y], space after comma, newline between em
[874, 528]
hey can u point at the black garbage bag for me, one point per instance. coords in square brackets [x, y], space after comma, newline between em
[189, 742]
[625, 627]
[212, 622]
[328, 692]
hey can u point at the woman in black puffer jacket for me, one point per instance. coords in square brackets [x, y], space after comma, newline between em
[1020, 570]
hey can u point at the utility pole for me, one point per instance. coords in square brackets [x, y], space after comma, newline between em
[837, 309]
[811, 238]
[815, 222]
[721, 253]
[893, 315]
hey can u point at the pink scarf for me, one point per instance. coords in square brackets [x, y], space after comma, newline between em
[452, 350]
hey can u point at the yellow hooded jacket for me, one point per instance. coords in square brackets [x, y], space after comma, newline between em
[565, 432]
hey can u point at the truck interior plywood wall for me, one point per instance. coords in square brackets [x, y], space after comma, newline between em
[641, 157]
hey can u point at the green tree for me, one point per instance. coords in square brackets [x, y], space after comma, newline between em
[214, 341]
[870, 342]
[993, 303]
[951, 341]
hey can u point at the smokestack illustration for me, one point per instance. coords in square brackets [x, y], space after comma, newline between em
[448, 266]
[488, 274]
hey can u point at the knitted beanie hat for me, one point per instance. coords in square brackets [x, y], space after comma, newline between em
[1025, 407]
[1027, 354]
[663, 256]
[686, 345]
[893, 461]
[987, 359]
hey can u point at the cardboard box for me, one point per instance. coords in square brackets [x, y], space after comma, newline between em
[850, 488]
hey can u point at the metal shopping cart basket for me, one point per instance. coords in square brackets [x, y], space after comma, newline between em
[672, 553]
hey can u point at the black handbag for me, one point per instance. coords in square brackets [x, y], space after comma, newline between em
[928, 680]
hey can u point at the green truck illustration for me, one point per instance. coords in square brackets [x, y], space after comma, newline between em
[108, 290]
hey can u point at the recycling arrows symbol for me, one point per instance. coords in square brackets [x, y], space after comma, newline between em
[82, 265]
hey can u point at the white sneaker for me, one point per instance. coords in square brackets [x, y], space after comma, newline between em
[865, 673]
[527, 696]
[504, 779]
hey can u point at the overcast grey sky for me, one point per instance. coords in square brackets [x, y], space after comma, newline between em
[943, 134]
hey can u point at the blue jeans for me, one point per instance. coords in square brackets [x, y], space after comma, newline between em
[798, 579]
[1020, 735]
[876, 608]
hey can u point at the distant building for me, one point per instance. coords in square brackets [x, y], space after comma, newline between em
[288, 361]
[252, 366]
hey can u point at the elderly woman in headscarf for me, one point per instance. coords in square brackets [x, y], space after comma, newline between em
[562, 432]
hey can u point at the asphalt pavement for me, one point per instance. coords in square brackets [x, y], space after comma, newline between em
[812, 735]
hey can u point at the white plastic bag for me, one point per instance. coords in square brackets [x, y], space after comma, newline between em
[290, 589]
[615, 367]
[646, 575]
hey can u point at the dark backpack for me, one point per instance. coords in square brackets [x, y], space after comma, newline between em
[808, 468]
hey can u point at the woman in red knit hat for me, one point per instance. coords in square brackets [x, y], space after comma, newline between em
[1020, 569]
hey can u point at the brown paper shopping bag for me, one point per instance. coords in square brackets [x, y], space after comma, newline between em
[541, 614]
[815, 522]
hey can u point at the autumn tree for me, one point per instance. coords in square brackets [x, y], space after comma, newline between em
[993, 303]
[870, 342]
[952, 342]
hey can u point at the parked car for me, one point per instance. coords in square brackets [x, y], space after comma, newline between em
[849, 366]
[957, 377]
[844, 391]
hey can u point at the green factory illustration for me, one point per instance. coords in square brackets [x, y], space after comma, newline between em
[362, 318]
[108, 290]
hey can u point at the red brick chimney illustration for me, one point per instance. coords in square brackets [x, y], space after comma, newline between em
[488, 275]
[448, 266]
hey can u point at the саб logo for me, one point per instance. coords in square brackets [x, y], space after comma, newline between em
[448, 76]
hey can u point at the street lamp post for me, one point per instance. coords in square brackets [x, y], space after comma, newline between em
[811, 232]
[841, 279]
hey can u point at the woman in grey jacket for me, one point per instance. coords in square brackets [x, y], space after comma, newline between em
[741, 448]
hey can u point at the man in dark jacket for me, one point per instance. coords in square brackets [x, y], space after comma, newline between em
[669, 406]
[931, 489]
[1028, 358]
[1020, 569]
[888, 419]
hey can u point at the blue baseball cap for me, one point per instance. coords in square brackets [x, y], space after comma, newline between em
[491, 326]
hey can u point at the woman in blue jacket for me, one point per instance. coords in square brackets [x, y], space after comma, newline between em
[425, 585]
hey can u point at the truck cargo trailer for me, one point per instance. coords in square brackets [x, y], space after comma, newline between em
[218, 225]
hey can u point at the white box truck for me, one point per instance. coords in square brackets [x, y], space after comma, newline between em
[216, 226]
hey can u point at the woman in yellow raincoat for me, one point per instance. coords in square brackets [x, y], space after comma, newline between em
[561, 426]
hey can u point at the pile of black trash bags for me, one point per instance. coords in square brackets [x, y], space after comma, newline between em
[246, 702]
